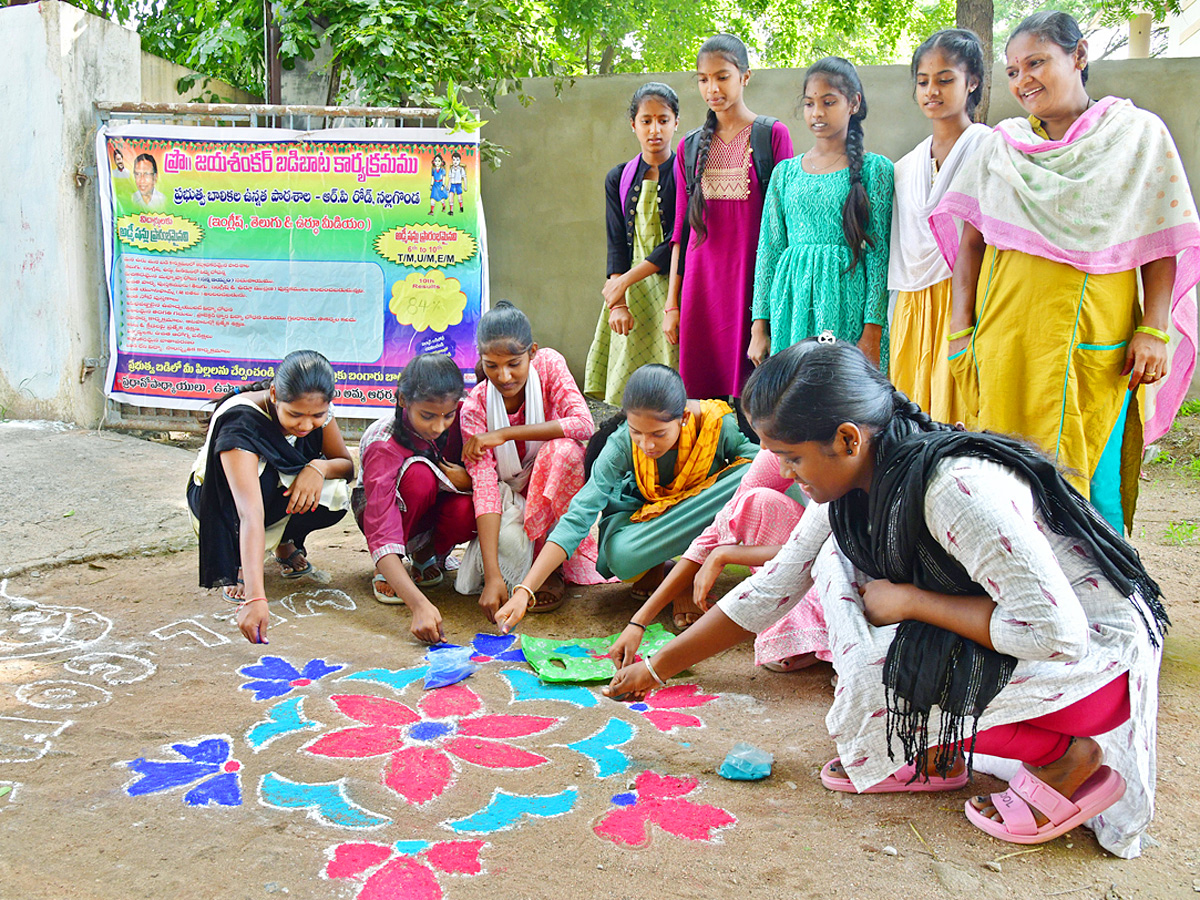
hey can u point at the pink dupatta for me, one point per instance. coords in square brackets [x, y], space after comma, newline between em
[1109, 197]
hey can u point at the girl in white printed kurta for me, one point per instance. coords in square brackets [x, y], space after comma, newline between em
[1021, 613]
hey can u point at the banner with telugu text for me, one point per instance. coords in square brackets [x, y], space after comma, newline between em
[227, 248]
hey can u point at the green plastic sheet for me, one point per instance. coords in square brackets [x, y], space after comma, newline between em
[557, 661]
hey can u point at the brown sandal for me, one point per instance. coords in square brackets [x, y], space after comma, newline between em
[549, 596]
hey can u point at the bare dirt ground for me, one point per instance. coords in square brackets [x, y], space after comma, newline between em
[106, 663]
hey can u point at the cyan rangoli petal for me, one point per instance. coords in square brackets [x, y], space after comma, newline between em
[526, 686]
[286, 717]
[600, 748]
[506, 811]
[396, 679]
[327, 802]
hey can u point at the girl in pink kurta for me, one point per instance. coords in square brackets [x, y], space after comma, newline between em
[415, 496]
[717, 223]
[525, 426]
[748, 531]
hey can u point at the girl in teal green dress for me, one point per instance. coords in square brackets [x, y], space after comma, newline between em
[823, 248]
[658, 476]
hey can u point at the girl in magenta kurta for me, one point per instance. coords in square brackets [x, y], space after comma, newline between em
[717, 221]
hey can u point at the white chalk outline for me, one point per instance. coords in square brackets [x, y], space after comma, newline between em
[337, 599]
[24, 692]
[100, 663]
[192, 632]
[59, 646]
[44, 737]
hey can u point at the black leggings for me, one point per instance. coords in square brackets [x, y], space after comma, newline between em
[299, 526]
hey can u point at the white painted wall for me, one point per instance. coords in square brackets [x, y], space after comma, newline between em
[57, 61]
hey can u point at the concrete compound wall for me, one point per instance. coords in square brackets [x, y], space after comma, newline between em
[57, 62]
[545, 204]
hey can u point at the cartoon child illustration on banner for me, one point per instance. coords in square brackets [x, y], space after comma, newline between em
[437, 188]
[458, 180]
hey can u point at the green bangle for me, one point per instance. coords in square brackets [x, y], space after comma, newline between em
[1161, 335]
[961, 334]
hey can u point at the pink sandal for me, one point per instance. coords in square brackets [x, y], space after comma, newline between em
[893, 784]
[1027, 792]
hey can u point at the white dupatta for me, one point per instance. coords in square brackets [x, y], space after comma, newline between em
[513, 471]
[916, 262]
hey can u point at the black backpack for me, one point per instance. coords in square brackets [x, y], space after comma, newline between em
[762, 157]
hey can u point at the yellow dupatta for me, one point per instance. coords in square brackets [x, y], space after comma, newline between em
[696, 452]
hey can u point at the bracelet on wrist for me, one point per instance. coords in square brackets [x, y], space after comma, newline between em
[618, 306]
[653, 674]
[526, 589]
[637, 624]
[251, 600]
[966, 332]
[671, 309]
[314, 467]
[1154, 332]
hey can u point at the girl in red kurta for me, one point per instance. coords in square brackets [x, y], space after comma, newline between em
[415, 496]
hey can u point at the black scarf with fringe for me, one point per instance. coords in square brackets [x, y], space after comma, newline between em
[885, 536]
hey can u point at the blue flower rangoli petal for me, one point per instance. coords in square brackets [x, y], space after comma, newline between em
[600, 748]
[513, 655]
[271, 668]
[223, 790]
[493, 644]
[638, 707]
[164, 776]
[526, 686]
[506, 810]
[210, 750]
[410, 848]
[396, 679]
[624, 799]
[267, 690]
[318, 668]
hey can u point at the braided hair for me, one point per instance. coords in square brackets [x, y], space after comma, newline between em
[962, 47]
[856, 211]
[732, 50]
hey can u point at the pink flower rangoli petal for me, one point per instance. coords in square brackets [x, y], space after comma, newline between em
[665, 719]
[678, 696]
[357, 743]
[418, 774]
[402, 877]
[505, 726]
[455, 857]
[693, 821]
[663, 787]
[493, 754]
[454, 700]
[354, 859]
[374, 710]
[625, 826]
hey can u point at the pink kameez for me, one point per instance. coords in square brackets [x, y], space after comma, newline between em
[557, 473]
[760, 514]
